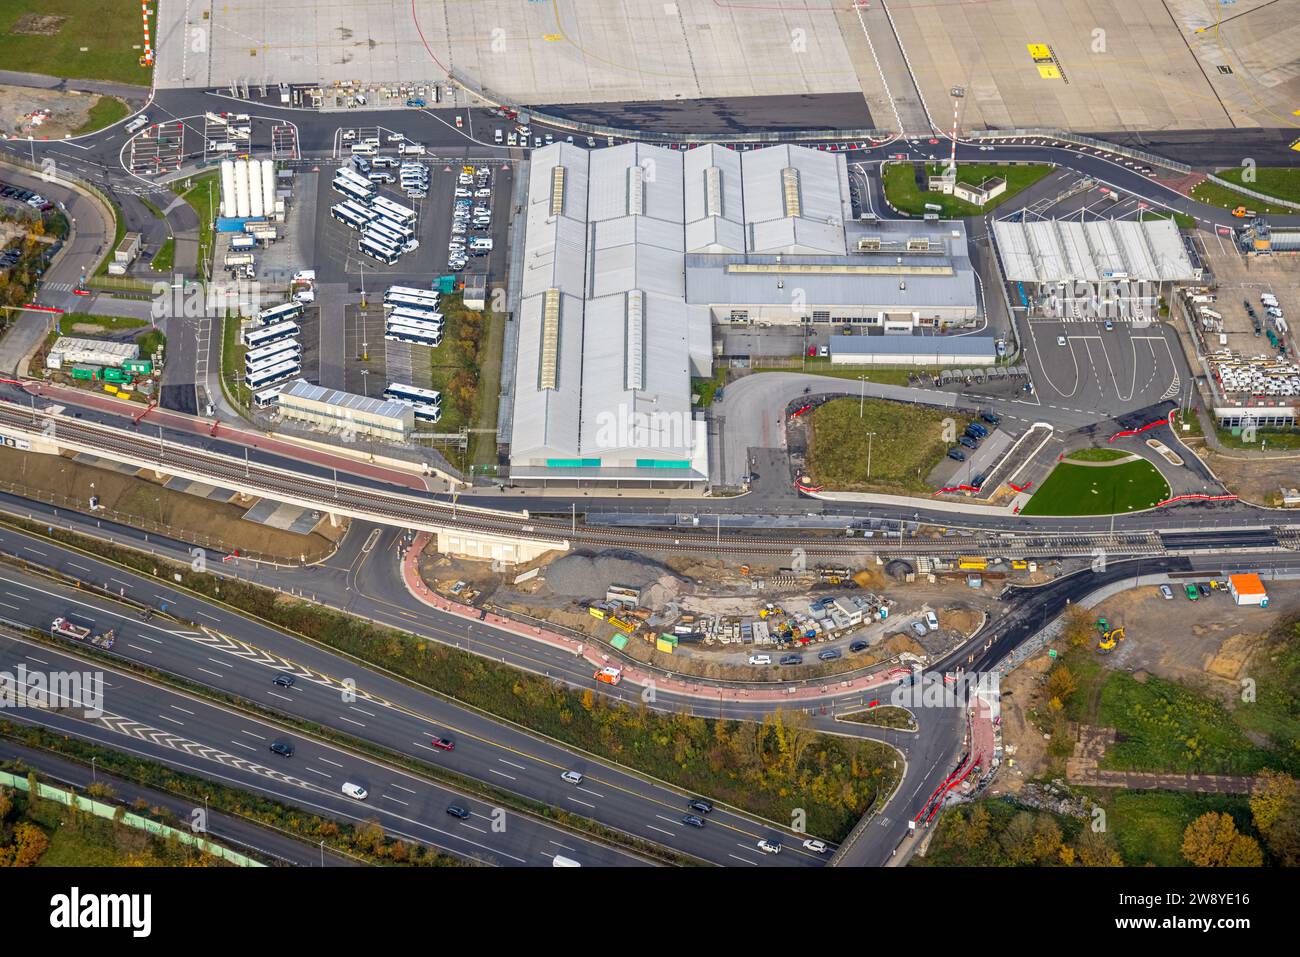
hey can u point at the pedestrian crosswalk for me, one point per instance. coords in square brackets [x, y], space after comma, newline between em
[1097, 320]
[57, 286]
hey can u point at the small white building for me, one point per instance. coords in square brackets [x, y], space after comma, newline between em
[70, 351]
[345, 413]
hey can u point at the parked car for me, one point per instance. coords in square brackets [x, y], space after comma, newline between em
[977, 430]
[792, 659]
[417, 102]
[932, 621]
[957, 455]
[919, 629]
[858, 646]
[1167, 592]
[1060, 340]
[1204, 589]
[968, 442]
[760, 659]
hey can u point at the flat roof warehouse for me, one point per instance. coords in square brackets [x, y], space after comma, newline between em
[632, 252]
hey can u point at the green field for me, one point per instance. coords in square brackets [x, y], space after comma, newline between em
[1281, 182]
[106, 111]
[909, 441]
[901, 191]
[103, 323]
[885, 375]
[884, 716]
[111, 32]
[166, 257]
[1098, 490]
[1212, 194]
[1098, 455]
[204, 195]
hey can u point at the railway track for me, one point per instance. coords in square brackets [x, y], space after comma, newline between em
[408, 510]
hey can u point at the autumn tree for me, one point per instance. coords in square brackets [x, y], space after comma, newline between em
[1275, 805]
[1061, 683]
[1076, 628]
[1212, 840]
[1096, 849]
[1031, 838]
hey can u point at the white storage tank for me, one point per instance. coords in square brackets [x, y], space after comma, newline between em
[241, 191]
[228, 204]
[255, 207]
[268, 187]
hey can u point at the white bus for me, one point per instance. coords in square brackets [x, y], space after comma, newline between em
[352, 176]
[256, 338]
[276, 373]
[281, 313]
[390, 224]
[352, 191]
[267, 397]
[400, 300]
[378, 231]
[410, 314]
[378, 251]
[418, 337]
[429, 413]
[270, 362]
[412, 395]
[285, 347]
[411, 291]
[343, 214]
[386, 207]
[358, 209]
[426, 324]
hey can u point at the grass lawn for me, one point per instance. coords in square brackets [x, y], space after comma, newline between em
[1148, 826]
[707, 389]
[232, 363]
[1282, 182]
[900, 187]
[166, 257]
[466, 369]
[1212, 194]
[483, 445]
[885, 716]
[1092, 490]
[885, 375]
[1181, 220]
[205, 203]
[110, 31]
[909, 441]
[106, 111]
[119, 233]
[1266, 438]
[1098, 455]
[150, 343]
[69, 320]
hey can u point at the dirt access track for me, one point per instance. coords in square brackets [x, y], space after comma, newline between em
[22, 112]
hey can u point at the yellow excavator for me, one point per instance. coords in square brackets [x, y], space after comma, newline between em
[1109, 640]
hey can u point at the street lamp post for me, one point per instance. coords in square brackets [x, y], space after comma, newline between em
[862, 394]
[870, 436]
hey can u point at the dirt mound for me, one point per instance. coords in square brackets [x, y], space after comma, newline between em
[589, 576]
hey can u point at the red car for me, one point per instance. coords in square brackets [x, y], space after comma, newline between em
[81, 292]
[800, 411]
[444, 744]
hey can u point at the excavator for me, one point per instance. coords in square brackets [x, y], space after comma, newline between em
[1109, 640]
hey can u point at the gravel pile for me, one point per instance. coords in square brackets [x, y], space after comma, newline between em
[589, 576]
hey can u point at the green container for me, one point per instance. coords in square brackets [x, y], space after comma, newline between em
[138, 366]
[446, 284]
[116, 375]
[86, 373]
[619, 642]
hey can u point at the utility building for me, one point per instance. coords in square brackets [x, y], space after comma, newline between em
[344, 413]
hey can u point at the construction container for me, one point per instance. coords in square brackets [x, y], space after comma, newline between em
[116, 375]
[1248, 590]
[138, 366]
[972, 564]
[595, 612]
[619, 642]
[663, 644]
[109, 387]
[87, 373]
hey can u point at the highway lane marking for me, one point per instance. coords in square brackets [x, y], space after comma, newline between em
[9, 606]
[669, 820]
[368, 714]
[558, 844]
[387, 797]
[328, 761]
[138, 648]
[147, 638]
[251, 734]
[185, 710]
[590, 791]
[425, 746]
[280, 696]
[350, 721]
[510, 777]
[206, 615]
[400, 788]
[172, 720]
[576, 801]
[224, 664]
[744, 860]
[472, 827]
[660, 830]
[209, 671]
[78, 567]
[321, 773]
[37, 660]
[512, 764]
[241, 744]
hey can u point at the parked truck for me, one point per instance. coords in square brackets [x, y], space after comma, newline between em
[238, 259]
[67, 628]
[1241, 212]
[970, 563]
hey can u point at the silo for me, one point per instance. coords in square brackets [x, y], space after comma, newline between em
[241, 190]
[227, 188]
[268, 187]
[255, 207]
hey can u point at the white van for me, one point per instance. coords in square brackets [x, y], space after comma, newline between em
[760, 659]
[499, 136]
[137, 124]
[411, 149]
[365, 149]
[560, 861]
[481, 245]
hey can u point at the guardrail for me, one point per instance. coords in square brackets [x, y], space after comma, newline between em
[1079, 140]
[1236, 188]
